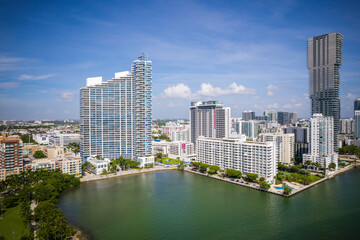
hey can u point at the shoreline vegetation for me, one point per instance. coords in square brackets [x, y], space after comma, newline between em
[34, 195]
[287, 183]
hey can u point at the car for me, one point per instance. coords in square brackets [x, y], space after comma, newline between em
[232, 179]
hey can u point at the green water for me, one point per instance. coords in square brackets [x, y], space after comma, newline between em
[180, 205]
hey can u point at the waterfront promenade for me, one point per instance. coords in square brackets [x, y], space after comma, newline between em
[92, 177]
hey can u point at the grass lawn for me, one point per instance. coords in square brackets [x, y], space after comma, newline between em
[12, 220]
[168, 161]
[314, 178]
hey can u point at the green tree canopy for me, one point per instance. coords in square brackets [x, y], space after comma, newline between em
[213, 169]
[251, 176]
[287, 190]
[232, 173]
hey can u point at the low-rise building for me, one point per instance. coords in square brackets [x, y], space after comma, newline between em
[63, 140]
[245, 156]
[99, 165]
[184, 150]
[146, 161]
[66, 164]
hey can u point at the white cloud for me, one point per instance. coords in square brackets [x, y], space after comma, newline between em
[287, 106]
[66, 97]
[8, 85]
[298, 104]
[351, 96]
[272, 106]
[32, 77]
[207, 89]
[271, 90]
[178, 91]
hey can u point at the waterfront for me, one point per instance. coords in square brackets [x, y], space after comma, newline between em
[180, 205]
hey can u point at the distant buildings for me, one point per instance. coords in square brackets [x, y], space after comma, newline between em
[66, 164]
[357, 105]
[11, 155]
[284, 145]
[180, 149]
[247, 157]
[357, 124]
[116, 116]
[324, 58]
[63, 140]
[249, 129]
[346, 126]
[209, 119]
[271, 115]
[293, 117]
[283, 118]
[321, 146]
[176, 131]
[301, 133]
[248, 115]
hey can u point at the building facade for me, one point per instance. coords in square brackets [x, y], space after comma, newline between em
[247, 157]
[346, 126]
[284, 145]
[283, 118]
[11, 155]
[63, 140]
[324, 58]
[271, 115]
[116, 116]
[66, 164]
[357, 105]
[209, 119]
[357, 124]
[248, 115]
[321, 145]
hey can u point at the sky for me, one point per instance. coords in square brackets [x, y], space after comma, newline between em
[247, 55]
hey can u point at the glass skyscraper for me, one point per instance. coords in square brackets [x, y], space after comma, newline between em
[116, 116]
[323, 61]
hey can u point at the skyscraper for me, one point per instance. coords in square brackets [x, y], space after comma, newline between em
[209, 119]
[283, 118]
[323, 61]
[248, 115]
[116, 116]
[321, 145]
[357, 124]
[357, 104]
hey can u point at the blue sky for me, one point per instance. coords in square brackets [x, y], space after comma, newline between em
[249, 55]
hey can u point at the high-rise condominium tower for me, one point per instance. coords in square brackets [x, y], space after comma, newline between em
[209, 119]
[321, 136]
[248, 115]
[323, 61]
[116, 116]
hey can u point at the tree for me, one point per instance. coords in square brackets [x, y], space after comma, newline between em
[134, 164]
[181, 166]
[25, 213]
[287, 190]
[11, 201]
[196, 164]
[264, 185]
[39, 154]
[232, 173]
[251, 177]
[158, 156]
[262, 179]
[332, 165]
[203, 167]
[44, 192]
[213, 169]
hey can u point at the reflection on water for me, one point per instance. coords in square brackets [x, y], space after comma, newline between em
[180, 205]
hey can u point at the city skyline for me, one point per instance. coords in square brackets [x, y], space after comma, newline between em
[248, 56]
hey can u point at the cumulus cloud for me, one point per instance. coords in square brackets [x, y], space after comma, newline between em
[271, 90]
[273, 106]
[66, 96]
[207, 89]
[32, 77]
[178, 91]
[8, 85]
[350, 96]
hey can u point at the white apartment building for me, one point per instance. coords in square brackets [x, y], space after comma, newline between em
[176, 131]
[41, 138]
[181, 149]
[63, 140]
[146, 160]
[321, 141]
[284, 145]
[99, 164]
[245, 156]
